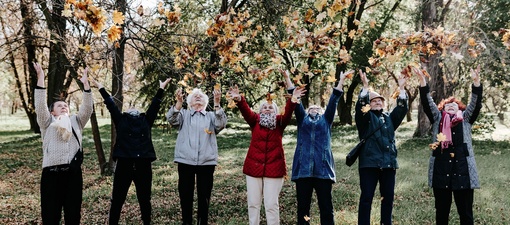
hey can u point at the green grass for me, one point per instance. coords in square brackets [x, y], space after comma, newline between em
[20, 162]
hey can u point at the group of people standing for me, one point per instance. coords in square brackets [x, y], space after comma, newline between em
[452, 166]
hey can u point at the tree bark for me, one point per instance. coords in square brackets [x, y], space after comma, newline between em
[438, 91]
[117, 79]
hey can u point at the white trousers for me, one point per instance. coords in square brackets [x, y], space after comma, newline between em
[269, 189]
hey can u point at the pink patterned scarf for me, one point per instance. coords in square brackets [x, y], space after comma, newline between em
[449, 121]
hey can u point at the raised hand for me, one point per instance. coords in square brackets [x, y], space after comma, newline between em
[364, 79]
[97, 84]
[217, 97]
[421, 76]
[402, 80]
[40, 74]
[475, 74]
[299, 92]
[234, 93]
[179, 96]
[162, 84]
[85, 79]
[288, 82]
[343, 76]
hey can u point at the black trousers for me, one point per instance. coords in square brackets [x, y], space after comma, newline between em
[204, 180]
[463, 201]
[304, 190]
[369, 177]
[61, 187]
[138, 171]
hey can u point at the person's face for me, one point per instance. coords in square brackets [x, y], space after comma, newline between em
[59, 108]
[267, 109]
[376, 104]
[314, 110]
[197, 100]
[451, 108]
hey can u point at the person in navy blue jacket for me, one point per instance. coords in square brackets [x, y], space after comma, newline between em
[378, 156]
[313, 167]
[133, 153]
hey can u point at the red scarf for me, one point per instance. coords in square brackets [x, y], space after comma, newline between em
[449, 121]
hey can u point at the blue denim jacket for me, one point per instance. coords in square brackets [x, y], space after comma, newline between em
[313, 156]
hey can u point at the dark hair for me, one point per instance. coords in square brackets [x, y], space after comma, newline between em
[50, 107]
[441, 104]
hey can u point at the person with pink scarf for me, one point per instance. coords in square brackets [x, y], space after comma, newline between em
[452, 166]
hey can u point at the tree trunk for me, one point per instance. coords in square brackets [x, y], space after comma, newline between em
[58, 64]
[431, 19]
[103, 165]
[117, 78]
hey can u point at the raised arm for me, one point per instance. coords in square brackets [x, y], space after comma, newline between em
[475, 103]
[152, 111]
[174, 115]
[87, 103]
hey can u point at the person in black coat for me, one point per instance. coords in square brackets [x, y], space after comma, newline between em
[452, 165]
[133, 153]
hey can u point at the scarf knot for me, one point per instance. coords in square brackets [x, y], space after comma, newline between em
[448, 122]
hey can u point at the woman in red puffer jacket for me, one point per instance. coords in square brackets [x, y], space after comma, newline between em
[264, 165]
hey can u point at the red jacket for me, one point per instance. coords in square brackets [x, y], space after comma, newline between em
[265, 157]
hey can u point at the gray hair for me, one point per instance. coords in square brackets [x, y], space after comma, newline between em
[197, 91]
[267, 103]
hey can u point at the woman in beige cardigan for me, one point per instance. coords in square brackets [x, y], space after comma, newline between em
[61, 180]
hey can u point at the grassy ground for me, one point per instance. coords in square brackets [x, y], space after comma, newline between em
[20, 162]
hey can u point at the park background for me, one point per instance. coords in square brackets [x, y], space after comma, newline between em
[213, 44]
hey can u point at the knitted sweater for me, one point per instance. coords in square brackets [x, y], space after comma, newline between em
[57, 151]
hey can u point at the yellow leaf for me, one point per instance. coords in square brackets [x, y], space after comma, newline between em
[330, 79]
[307, 218]
[331, 13]
[114, 33]
[452, 155]
[352, 33]
[118, 17]
[207, 131]
[231, 104]
[365, 108]
[319, 4]
[217, 87]
[471, 42]
[372, 23]
[441, 137]
[85, 48]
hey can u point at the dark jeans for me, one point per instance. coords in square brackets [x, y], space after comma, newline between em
[463, 201]
[61, 187]
[204, 179]
[369, 177]
[138, 171]
[304, 189]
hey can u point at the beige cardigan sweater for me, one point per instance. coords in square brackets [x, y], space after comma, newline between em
[57, 151]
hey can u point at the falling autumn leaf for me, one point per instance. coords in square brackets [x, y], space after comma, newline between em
[434, 146]
[441, 137]
[330, 79]
[217, 87]
[139, 10]
[365, 108]
[452, 155]
[207, 131]
[307, 218]
[114, 33]
[118, 17]
[471, 42]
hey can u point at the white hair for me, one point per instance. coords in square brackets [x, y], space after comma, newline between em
[197, 91]
[275, 107]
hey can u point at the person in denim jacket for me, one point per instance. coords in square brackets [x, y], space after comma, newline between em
[196, 150]
[452, 166]
[313, 167]
[378, 156]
